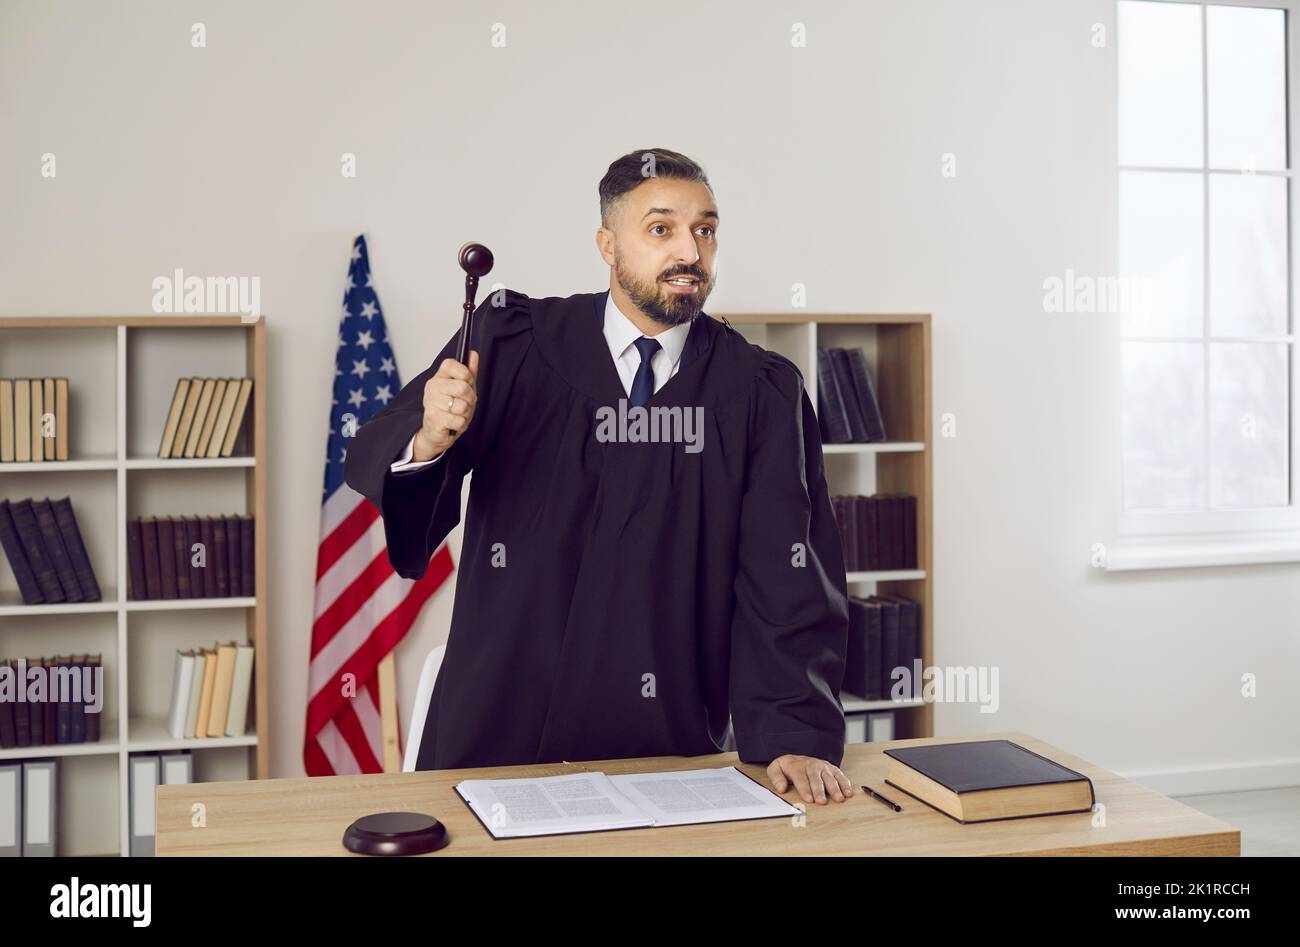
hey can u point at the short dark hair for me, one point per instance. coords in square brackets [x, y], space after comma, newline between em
[636, 166]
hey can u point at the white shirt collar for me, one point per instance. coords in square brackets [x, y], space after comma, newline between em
[620, 333]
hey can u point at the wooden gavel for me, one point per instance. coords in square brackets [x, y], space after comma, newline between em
[476, 260]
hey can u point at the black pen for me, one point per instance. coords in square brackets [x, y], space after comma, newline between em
[871, 792]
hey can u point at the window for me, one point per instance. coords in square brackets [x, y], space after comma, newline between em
[1208, 367]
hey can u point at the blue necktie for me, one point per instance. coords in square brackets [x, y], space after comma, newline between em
[643, 385]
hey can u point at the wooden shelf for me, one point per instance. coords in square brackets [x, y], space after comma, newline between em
[122, 371]
[897, 348]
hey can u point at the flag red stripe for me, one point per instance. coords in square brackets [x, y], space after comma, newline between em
[350, 600]
[340, 540]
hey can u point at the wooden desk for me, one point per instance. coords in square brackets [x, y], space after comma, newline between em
[308, 817]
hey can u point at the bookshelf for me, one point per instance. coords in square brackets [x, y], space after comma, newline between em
[898, 355]
[122, 371]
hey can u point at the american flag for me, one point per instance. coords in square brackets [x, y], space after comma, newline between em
[363, 608]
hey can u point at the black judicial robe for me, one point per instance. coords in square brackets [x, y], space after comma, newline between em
[620, 599]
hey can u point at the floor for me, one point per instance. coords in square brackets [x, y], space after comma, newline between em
[1269, 819]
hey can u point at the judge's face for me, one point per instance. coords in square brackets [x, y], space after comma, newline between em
[664, 230]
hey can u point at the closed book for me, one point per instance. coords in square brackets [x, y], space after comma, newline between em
[889, 629]
[247, 557]
[36, 711]
[12, 543]
[58, 553]
[180, 558]
[51, 705]
[22, 418]
[887, 531]
[855, 655]
[196, 693]
[868, 510]
[76, 546]
[29, 531]
[187, 417]
[205, 696]
[139, 588]
[64, 732]
[34, 417]
[40, 808]
[852, 408]
[182, 682]
[49, 420]
[217, 556]
[237, 416]
[909, 533]
[8, 728]
[840, 507]
[224, 414]
[174, 417]
[77, 703]
[152, 568]
[909, 644]
[210, 417]
[865, 395]
[988, 780]
[221, 685]
[831, 419]
[94, 718]
[22, 717]
[166, 556]
[237, 721]
[193, 539]
[61, 419]
[6, 425]
[176, 768]
[200, 417]
[896, 504]
[234, 555]
[208, 568]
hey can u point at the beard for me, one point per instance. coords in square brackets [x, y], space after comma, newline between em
[660, 303]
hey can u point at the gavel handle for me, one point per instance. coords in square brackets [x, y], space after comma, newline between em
[467, 320]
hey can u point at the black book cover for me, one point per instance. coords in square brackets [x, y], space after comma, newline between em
[152, 567]
[30, 533]
[909, 533]
[871, 532]
[217, 556]
[93, 718]
[22, 716]
[51, 708]
[65, 707]
[36, 712]
[247, 553]
[865, 393]
[136, 587]
[855, 656]
[234, 555]
[77, 708]
[875, 646]
[12, 544]
[58, 553]
[909, 642]
[76, 547]
[209, 568]
[888, 645]
[8, 733]
[978, 765]
[830, 406]
[167, 556]
[852, 408]
[180, 560]
[194, 537]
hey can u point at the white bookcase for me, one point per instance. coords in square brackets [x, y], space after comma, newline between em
[898, 354]
[121, 374]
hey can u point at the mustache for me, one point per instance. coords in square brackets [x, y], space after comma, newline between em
[702, 277]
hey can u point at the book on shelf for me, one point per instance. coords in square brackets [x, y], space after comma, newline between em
[33, 420]
[884, 643]
[210, 691]
[46, 552]
[29, 808]
[877, 532]
[848, 410]
[205, 417]
[178, 557]
[55, 707]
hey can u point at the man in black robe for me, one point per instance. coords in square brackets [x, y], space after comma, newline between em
[649, 555]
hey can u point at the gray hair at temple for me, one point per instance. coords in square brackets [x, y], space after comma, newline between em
[635, 166]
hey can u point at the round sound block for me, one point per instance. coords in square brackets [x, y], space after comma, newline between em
[395, 833]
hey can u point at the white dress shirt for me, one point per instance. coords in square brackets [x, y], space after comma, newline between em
[620, 333]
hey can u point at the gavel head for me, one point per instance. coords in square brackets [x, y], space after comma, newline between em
[476, 259]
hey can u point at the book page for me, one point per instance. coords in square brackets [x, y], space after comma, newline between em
[696, 796]
[550, 805]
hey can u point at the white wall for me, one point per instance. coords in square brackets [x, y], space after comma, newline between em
[826, 164]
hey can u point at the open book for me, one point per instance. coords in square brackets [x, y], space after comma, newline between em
[594, 802]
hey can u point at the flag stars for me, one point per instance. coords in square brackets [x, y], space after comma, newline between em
[364, 340]
[356, 398]
[369, 310]
[383, 394]
[359, 368]
[356, 251]
[386, 366]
